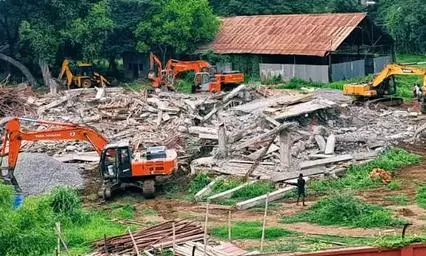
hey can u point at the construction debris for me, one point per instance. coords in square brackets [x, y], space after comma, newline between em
[16, 101]
[156, 237]
[198, 249]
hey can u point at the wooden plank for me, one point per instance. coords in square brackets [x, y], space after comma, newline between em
[256, 154]
[222, 147]
[233, 93]
[304, 108]
[200, 129]
[285, 150]
[230, 192]
[261, 104]
[277, 194]
[335, 159]
[207, 136]
[283, 176]
[262, 136]
[207, 189]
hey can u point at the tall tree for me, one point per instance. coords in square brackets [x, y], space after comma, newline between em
[52, 24]
[179, 25]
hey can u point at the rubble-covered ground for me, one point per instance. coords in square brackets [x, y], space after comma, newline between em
[189, 124]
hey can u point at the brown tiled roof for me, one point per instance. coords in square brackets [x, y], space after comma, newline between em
[297, 34]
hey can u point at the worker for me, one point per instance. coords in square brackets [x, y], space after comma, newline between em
[300, 189]
[418, 93]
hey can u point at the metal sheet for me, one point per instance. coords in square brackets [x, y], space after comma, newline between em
[298, 34]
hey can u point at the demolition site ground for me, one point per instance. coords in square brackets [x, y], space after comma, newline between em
[364, 171]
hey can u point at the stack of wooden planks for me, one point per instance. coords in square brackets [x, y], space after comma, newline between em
[156, 237]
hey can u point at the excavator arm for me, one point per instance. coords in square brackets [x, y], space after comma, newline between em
[379, 86]
[65, 70]
[13, 137]
[395, 69]
[156, 78]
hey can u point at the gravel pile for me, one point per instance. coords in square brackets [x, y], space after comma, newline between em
[39, 173]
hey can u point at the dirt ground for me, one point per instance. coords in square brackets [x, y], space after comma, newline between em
[163, 208]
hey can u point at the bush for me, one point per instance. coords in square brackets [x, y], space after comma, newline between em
[346, 210]
[421, 196]
[29, 230]
[199, 182]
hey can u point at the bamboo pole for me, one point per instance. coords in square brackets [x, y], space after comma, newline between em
[264, 223]
[229, 226]
[58, 229]
[205, 227]
[174, 237]
[134, 242]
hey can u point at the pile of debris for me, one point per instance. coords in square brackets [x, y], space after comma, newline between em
[279, 132]
[161, 236]
[13, 101]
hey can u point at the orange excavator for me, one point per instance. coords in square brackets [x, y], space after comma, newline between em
[117, 168]
[206, 78]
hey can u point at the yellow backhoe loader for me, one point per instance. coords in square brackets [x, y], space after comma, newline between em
[85, 77]
[384, 85]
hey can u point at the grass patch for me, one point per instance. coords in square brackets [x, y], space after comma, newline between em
[394, 185]
[253, 190]
[346, 210]
[399, 199]
[226, 184]
[421, 196]
[250, 230]
[199, 182]
[125, 212]
[357, 176]
[29, 230]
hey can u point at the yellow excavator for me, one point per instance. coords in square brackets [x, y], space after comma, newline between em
[85, 77]
[384, 84]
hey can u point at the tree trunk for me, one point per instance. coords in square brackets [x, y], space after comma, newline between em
[20, 66]
[47, 77]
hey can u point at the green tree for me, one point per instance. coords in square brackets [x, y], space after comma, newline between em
[61, 24]
[406, 22]
[179, 26]
[126, 14]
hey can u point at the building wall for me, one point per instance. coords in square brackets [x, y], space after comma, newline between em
[315, 73]
[136, 65]
[380, 62]
[347, 70]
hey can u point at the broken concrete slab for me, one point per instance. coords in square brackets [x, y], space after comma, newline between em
[331, 144]
[321, 142]
[277, 194]
[261, 104]
[304, 108]
[207, 189]
[335, 159]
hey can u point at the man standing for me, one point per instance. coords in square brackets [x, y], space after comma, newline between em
[300, 189]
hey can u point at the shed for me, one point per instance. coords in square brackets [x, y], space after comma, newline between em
[317, 47]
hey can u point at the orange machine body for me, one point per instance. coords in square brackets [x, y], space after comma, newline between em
[125, 168]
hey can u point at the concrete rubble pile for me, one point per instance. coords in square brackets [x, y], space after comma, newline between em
[317, 132]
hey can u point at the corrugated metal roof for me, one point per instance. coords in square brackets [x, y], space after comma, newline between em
[296, 34]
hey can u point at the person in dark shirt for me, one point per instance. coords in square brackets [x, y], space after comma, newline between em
[300, 189]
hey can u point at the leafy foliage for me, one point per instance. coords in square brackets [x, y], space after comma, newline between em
[29, 230]
[199, 182]
[346, 210]
[180, 25]
[421, 196]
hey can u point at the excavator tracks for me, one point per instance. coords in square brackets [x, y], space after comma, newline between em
[148, 188]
